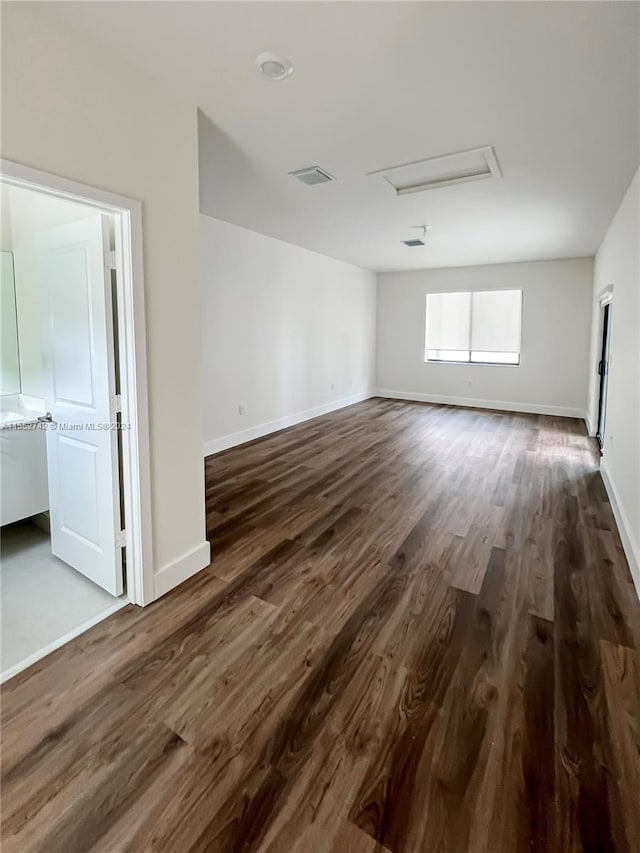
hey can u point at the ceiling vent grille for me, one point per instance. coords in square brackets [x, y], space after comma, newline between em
[417, 241]
[313, 175]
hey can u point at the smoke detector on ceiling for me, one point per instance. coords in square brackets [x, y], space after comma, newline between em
[312, 175]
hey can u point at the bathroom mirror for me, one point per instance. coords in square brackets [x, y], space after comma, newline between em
[9, 361]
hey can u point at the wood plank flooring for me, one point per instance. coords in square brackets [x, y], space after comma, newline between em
[418, 633]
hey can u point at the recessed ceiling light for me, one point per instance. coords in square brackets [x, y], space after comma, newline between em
[273, 67]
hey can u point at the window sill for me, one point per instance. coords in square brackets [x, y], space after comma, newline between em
[470, 363]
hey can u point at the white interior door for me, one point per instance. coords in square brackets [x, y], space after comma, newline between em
[82, 454]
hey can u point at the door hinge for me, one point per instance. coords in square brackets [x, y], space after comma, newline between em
[110, 259]
[121, 539]
[116, 405]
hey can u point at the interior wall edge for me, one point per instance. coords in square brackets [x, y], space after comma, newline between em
[631, 549]
[224, 442]
[145, 151]
[181, 569]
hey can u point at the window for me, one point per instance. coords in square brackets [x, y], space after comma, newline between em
[481, 327]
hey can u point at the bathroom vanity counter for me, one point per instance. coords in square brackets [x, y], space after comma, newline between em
[12, 419]
[14, 410]
[24, 487]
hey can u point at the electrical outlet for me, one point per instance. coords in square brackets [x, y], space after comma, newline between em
[241, 409]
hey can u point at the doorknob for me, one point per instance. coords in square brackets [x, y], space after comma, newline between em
[46, 418]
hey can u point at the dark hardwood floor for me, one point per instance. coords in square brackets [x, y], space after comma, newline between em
[418, 633]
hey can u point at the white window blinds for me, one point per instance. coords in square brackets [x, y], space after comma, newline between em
[480, 326]
[448, 320]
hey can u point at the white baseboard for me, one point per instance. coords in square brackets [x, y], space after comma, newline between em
[63, 640]
[180, 570]
[470, 402]
[216, 445]
[629, 544]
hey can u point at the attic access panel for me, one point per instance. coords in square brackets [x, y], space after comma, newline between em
[420, 175]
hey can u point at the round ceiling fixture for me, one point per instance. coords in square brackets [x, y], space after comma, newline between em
[273, 67]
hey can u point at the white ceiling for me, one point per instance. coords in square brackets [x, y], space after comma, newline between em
[552, 86]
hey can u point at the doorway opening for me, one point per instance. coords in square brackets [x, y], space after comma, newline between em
[603, 371]
[75, 503]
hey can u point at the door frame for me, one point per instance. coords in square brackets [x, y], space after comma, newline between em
[604, 297]
[132, 350]
[603, 371]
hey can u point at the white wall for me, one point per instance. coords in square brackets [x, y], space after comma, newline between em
[9, 360]
[288, 333]
[73, 108]
[6, 243]
[617, 263]
[553, 373]
[29, 213]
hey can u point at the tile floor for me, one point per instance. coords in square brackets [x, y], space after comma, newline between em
[41, 598]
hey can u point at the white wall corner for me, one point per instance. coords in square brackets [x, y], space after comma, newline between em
[629, 544]
[224, 442]
[470, 402]
[189, 564]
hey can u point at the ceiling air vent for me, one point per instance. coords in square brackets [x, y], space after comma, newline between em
[312, 175]
[472, 165]
[417, 241]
